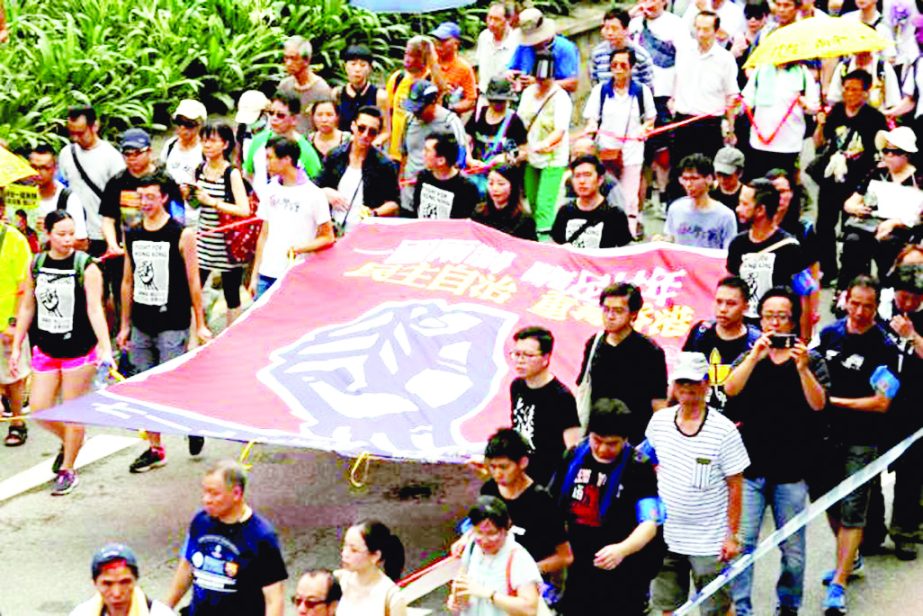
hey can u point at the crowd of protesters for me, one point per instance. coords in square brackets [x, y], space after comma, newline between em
[640, 484]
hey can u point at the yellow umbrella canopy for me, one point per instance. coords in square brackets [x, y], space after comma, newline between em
[13, 167]
[816, 37]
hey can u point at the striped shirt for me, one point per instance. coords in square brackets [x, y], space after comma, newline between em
[691, 479]
[213, 252]
[642, 71]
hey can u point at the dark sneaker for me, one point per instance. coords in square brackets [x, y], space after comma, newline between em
[786, 611]
[835, 601]
[64, 483]
[905, 551]
[58, 461]
[151, 458]
[196, 443]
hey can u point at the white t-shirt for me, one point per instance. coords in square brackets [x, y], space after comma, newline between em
[491, 573]
[892, 86]
[913, 86]
[669, 28]
[293, 214]
[357, 602]
[691, 479]
[493, 57]
[731, 14]
[704, 81]
[711, 227]
[880, 26]
[902, 32]
[617, 122]
[181, 164]
[350, 184]
[555, 115]
[101, 164]
[73, 207]
[769, 92]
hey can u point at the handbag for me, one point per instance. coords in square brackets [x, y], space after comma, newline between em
[585, 389]
[241, 240]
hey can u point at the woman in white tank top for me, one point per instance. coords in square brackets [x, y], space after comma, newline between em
[372, 561]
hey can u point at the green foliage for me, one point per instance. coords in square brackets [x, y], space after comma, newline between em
[135, 59]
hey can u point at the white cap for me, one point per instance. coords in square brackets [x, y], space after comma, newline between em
[251, 104]
[690, 367]
[194, 110]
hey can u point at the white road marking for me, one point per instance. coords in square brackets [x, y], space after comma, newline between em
[94, 449]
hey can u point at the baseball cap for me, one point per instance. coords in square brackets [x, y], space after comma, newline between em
[251, 104]
[422, 93]
[134, 139]
[113, 553]
[446, 30]
[194, 110]
[500, 89]
[690, 367]
[357, 52]
[728, 160]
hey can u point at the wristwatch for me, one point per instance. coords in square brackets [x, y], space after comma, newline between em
[12, 321]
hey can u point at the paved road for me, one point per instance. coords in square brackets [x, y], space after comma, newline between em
[45, 563]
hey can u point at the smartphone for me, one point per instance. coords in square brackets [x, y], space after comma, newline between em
[782, 341]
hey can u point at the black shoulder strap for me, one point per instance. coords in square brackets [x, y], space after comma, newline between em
[586, 225]
[63, 196]
[83, 174]
[170, 145]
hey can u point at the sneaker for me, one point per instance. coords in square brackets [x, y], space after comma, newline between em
[905, 551]
[786, 611]
[858, 571]
[151, 458]
[65, 483]
[196, 443]
[58, 461]
[835, 602]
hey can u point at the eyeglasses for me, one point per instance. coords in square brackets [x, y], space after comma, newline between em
[185, 122]
[363, 129]
[307, 602]
[893, 151]
[523, 355]
[778, 317]
[690, 178]
[134, 152]
[278, 114]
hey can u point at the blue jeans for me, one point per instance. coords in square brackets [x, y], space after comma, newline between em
[786, 500]
[262, 284]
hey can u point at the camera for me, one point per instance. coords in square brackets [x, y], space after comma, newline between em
[782, 341]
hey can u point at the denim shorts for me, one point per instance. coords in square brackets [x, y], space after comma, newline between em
[854, 506]
[149, 350]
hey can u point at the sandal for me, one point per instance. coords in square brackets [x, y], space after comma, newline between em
[16, 435]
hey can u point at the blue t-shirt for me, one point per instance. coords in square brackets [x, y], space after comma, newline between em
[231, 564]
[566, 58]
[713, 227]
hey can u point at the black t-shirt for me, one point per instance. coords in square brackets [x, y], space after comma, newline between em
[61, 326]
[601, 227]
[443, 199]
[855, 137]
[541, 416]
[510, 220]
[904, 414]
[537, 522]
[120, 201]
[729, 200]
[484, 135]
[777, 425]
[160, 290]
[766, 269]
[851, 360]
[703, 338]
[634, 372]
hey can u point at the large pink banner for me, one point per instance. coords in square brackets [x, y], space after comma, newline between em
[395, 341]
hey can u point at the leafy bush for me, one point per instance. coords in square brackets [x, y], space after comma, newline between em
[133, 59]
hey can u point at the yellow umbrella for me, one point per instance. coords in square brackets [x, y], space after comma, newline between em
[816, 37]
[13, 167]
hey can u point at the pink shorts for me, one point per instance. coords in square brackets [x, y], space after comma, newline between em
[46, 363]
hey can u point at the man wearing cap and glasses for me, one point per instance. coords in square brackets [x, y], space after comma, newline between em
[302, 82]
[358, 91]
[539, 34]
[729, 166]
[318, 593]
[701, 459]
[461, 84]
[428, 117]
[354, 166]
[115, 575]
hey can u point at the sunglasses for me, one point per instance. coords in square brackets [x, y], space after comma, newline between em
[185, 122]
[307, 602]
[364, 128]
[895, 151]
[278, 114]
